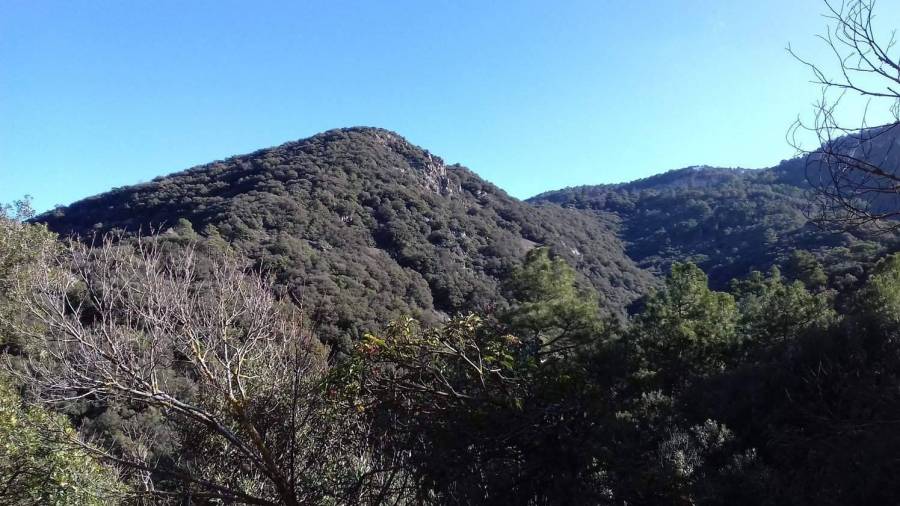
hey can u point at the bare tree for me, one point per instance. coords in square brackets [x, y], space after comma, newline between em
[220, 358]
[855, 169]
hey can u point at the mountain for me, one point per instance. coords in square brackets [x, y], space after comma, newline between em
[363, 226]
[728, 221]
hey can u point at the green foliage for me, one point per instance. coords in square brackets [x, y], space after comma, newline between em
[821, 407]
[686, 329]
[548, 311]
[782, 391]
[185, 229]
[20, 246]
[803, 266]
[881, 295]
[773, 309]
[363, 228]
[438, 398]
[766, 395]
[474, 415]
[729, 222]
[41, 464]
[475, 409]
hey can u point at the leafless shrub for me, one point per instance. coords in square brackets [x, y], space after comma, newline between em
[224, 363]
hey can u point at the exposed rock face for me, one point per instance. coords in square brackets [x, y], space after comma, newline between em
[431, 167]
[435, 173]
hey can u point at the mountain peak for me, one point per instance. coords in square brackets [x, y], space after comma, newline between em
[430, 167]
[366, 224]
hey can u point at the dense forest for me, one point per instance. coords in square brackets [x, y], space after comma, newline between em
[348, 320]
[728, 221]
[170, 371]
[363, 227]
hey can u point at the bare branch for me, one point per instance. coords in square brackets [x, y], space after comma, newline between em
[125, 321]
[854, 171]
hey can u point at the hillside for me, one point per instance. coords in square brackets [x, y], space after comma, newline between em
[537, 402]
[363, 227]
[728, 221]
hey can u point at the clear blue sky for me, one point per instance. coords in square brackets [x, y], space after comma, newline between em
[531, 95]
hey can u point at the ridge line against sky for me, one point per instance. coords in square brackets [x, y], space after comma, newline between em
[533, 96]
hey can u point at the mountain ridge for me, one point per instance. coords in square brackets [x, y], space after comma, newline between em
[672, 177]
[729, 221]
[361, 220]
[366, 227]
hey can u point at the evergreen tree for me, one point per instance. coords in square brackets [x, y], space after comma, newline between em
[774, 310]
[39, 463]
[548, 311]
[881, 294]
[686, 329]
[804, 266]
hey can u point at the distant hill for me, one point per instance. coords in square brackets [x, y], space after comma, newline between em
[728, 221]
[364, 226]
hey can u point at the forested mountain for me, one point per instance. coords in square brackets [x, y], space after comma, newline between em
[347, 320]
[363, 227]
[727, 221]
[475, 367]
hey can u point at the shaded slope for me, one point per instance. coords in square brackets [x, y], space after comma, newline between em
[728, 221]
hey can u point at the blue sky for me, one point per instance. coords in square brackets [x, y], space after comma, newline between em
[531, 95]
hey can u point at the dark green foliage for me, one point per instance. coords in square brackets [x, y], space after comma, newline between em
[362, 227]
[480, 417]
[821, 405]
[481, 412]
[548, 311]
[803, 266]
[728, 221]
[782, 390]
[686, 329]
[773, 309]
[765, 395]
